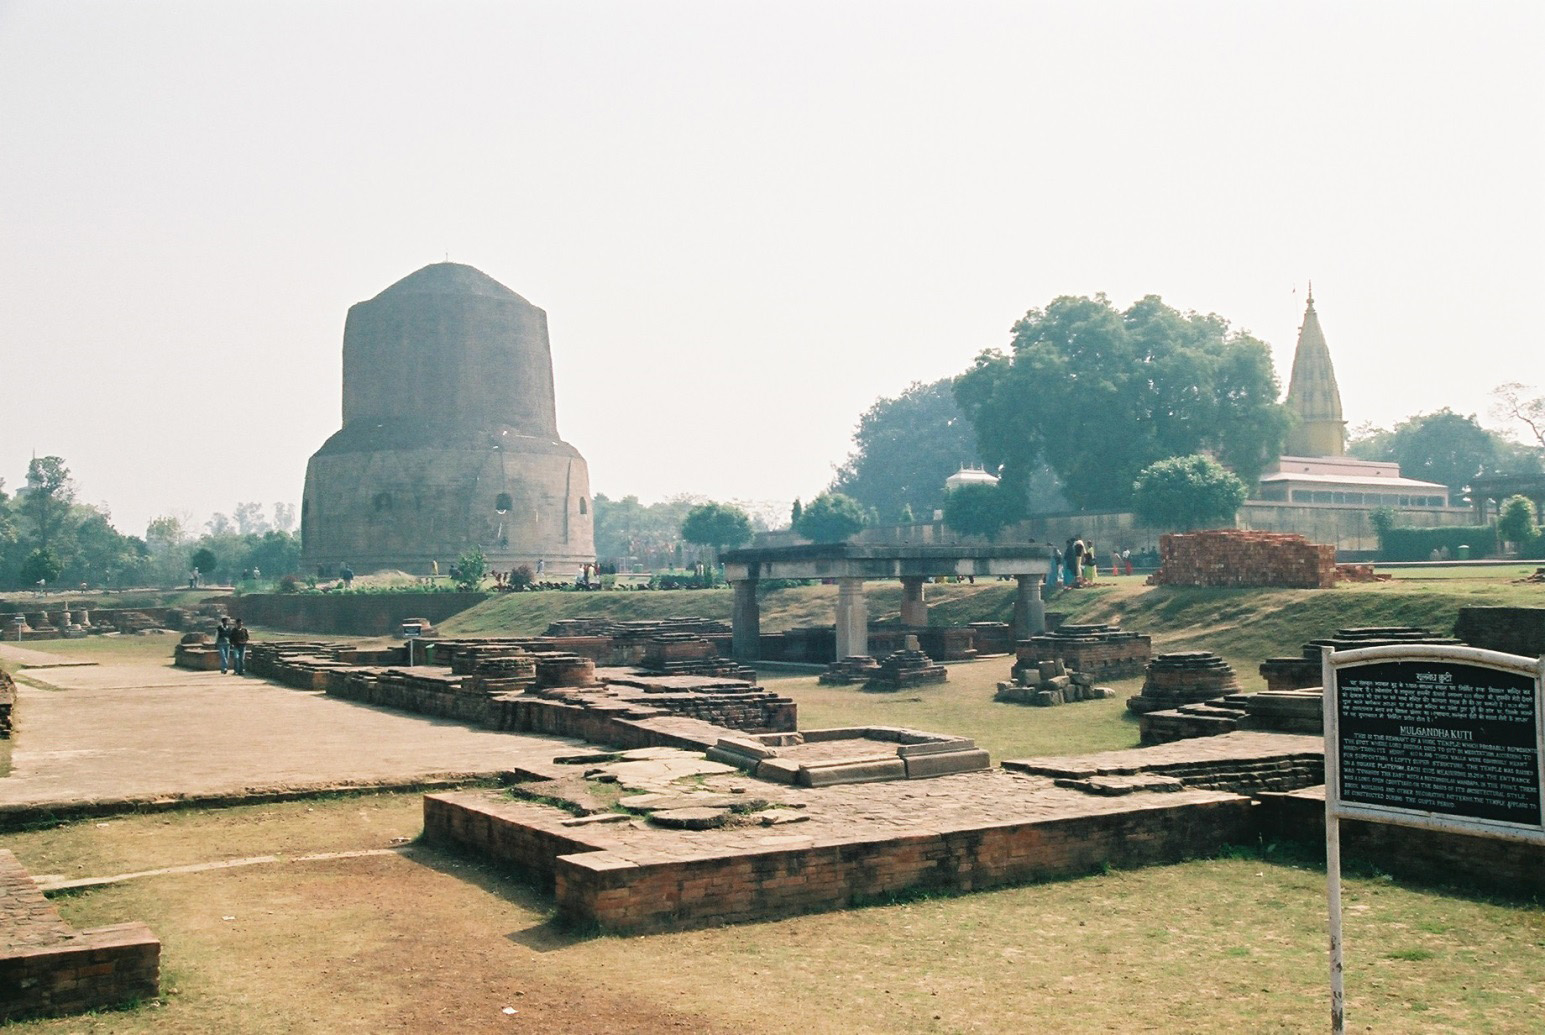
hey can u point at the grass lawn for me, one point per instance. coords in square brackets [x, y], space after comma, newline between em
[421, 941]
[964, 705]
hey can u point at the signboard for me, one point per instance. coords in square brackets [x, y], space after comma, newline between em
[1438, 737]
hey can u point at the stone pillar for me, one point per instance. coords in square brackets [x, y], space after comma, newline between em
[914, 604]
[746, 625]
[852, 619]
[1029, 610]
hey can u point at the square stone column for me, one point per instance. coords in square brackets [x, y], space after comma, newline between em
[746, 624]
[852, 619]
[1029, 609]
[914, 604]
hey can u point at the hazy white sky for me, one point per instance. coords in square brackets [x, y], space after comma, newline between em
[746, 221]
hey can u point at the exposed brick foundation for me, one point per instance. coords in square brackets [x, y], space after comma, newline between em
[1511, 630]
[1432, 855]
[623, 895]
[48, 968]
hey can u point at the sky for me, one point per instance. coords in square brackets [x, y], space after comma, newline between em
[746, 221]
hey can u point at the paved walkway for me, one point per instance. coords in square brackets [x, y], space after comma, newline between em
[20, 655]
[143, 732]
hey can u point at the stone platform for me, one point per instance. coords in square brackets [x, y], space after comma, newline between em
[824, 848]
[867, 754]
[1240, 761]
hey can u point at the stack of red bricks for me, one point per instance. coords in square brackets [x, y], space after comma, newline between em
[1230, 557]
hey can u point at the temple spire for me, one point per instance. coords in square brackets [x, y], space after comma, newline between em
[1313, 396]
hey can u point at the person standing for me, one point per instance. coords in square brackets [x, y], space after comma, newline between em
[346, 573]
[239, 639]
[223, 643]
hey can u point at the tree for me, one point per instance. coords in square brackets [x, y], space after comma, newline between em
[795, 512]
[1098, 395]
[40, 568]
[274, 552]
[651, 534]
[1517, 521]
[1187, 492]
[717, 525]
[830, 518]
[102, 555]
[204, 561]
[1442, 447]
[471, 566]
[284, 517]
[46, 504]
[10, 561]
[904, 448]
[250, 519]
[1513, 401]
[980, 509]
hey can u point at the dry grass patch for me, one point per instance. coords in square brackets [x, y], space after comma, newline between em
[426, 942]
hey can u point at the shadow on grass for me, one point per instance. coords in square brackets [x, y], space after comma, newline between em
[1310, 855]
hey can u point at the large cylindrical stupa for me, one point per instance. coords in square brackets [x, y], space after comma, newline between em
[449, 438]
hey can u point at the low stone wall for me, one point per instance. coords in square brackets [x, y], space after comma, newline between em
[1512, 630]
[605, 891]
[49, 969]
[525, 713]
[1431, 855]
[348, 614]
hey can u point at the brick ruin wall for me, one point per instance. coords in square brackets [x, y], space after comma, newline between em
[49, 969]
[1230, 557]
[1439, 856]
[596, 888]
[1511, 630]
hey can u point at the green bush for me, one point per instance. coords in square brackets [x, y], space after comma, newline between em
[1405, 543]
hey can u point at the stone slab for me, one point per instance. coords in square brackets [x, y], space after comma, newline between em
[924, 766]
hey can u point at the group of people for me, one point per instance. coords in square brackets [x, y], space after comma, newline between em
[1077, 563]
[231, 641]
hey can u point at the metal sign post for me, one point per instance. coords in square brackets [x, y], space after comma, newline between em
[1434, 737]
[410, 632]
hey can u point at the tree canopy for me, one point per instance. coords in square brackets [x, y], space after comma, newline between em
[50, 494]
[1187, 492]
[904, 448]
[717, 525]
[1516, 521]
[831, 518]
[980, 509]
[1100, 394]
[1443, 447]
